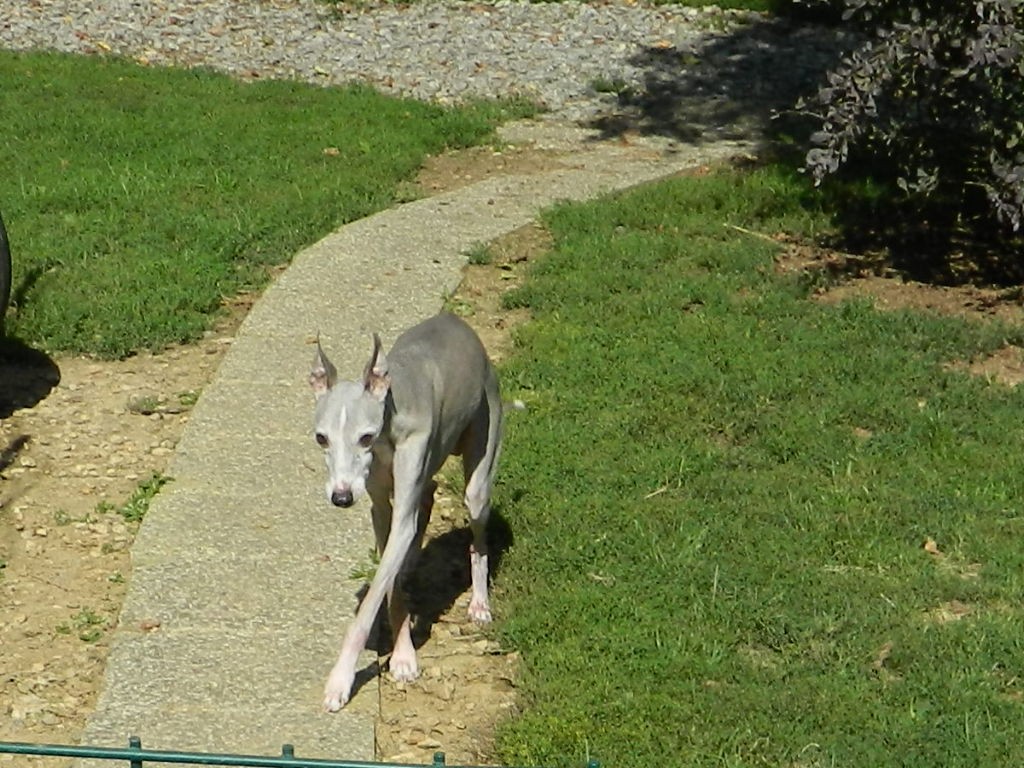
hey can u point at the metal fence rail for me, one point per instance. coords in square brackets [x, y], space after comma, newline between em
[136, 756]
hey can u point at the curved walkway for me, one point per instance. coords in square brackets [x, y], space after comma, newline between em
[241, 589]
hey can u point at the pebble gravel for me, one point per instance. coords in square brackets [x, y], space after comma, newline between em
[580, 61]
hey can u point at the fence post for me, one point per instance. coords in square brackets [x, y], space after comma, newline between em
[135, 743]
[439, 760]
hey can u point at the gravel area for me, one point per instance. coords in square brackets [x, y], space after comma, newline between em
[610, 62]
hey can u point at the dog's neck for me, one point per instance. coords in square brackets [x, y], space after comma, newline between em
[385, 442]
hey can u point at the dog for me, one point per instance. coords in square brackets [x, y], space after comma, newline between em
[435, 394]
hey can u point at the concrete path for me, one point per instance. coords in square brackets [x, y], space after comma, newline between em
[240, 589]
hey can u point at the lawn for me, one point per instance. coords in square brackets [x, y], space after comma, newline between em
[138, 199]
[752, 528]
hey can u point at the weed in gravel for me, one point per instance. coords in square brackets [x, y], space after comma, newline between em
[134, 510]
[480, 254]
[86, 624]
[365, 571]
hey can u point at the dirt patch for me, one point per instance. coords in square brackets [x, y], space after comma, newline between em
[479, 297]
[1005, 366]
[77, 439]
[455, 170]
[843, 277]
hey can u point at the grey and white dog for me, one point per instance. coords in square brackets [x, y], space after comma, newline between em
[435, 394]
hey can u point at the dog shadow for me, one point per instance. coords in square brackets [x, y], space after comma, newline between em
[441, 576]
[27, 376]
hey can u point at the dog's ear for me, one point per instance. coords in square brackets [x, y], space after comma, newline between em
[324, 374]
[375, 376]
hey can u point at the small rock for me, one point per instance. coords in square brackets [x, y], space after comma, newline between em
[27, 706]
[446, 691]
[403, 757]
[415, 736]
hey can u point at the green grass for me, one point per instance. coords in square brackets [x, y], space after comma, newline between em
[745, 5]
[136, 507]
[87, 624]
[720, 497]
[748, 5]
[479, 254]
[137, 199]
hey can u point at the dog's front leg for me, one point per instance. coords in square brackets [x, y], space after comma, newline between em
[339, 683]
[403, 664]
[408, 462]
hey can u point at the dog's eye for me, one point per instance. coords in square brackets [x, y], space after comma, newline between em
[321, 439]
[367, 440]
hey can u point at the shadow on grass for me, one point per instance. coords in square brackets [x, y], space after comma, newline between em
[941, 241]
[27, 376]
[727, 86]
[744, 84]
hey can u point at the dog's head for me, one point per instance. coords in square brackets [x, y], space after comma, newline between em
[349, 418]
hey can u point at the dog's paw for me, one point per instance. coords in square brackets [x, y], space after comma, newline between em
[333, 702]
[338, 689]
[404, 668]
[480, 611]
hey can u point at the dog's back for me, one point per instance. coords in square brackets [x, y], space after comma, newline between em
[441, 361]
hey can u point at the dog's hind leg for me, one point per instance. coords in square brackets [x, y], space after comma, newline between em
[481, 449]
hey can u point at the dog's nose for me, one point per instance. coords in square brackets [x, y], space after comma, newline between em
[342, 498]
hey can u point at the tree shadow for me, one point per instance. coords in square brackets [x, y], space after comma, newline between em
[939, 240]
[743, 85]
[728, 86]
[27, 376]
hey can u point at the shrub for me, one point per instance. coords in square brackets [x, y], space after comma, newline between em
[934, 100]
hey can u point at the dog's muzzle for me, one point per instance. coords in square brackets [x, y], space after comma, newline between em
[342, 498]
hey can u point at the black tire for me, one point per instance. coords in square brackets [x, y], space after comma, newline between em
[5, 274]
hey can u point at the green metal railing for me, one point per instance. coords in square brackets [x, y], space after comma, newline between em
[136, 756]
